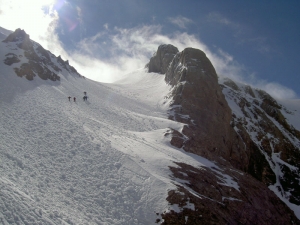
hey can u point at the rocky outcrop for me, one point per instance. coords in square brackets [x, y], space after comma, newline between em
[160, 61]
[254, 144]
[11, 58]
[199, 102]
[205, 200]
[66, 65]
[38, 60]
[21, 38]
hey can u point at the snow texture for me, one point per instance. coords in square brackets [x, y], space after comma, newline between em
[101, 161]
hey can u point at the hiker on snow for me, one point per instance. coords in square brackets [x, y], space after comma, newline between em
[69, 98]
[74, 99]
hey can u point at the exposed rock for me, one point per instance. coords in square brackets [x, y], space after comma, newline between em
[273, 144]
[253, 144]
[20, 37]
[204, 199]
[196, 93]
[177, 139]
[160, 61]
[66, 65]
[29, 70]
[231, 84]
[39, 60]
[249, 91]
[11, 58]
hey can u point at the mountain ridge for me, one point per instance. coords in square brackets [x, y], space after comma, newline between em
[123, 157]
[37, 58]
[195, 88]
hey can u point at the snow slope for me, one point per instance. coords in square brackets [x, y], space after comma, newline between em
[4, 33]
[293, 105]
[101, 161]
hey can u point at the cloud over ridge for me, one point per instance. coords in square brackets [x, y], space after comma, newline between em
[113, 52]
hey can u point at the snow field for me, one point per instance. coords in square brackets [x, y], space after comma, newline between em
[103, 161]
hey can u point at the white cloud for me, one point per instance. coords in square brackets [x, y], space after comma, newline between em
[278, 91]
[130, 49]
[112, 53]
[180, 21]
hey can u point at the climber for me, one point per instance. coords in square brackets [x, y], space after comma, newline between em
[74, 99]
[69, 98]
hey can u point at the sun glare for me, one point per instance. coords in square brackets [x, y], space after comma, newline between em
[28, 15]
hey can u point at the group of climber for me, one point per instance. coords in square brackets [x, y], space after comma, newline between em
[84, 97]
[73, 99]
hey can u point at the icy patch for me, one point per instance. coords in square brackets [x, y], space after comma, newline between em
[230, 199]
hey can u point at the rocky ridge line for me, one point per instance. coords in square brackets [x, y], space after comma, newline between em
[214, 132]
[40, 62]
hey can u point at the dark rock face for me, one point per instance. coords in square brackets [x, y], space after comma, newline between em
[213, 131]
[214, 203]
[160, 61]
[198, 101]
[39, 60]
[273, 144]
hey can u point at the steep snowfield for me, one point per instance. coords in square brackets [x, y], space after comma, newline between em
[101, 161]
[4, 33]
[293, 105]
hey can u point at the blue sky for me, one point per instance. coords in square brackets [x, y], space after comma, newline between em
[256, 42]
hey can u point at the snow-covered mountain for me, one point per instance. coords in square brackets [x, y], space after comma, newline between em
[127, 155]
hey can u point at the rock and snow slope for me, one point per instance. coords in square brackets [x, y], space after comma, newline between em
[107, 160]
[274, 128]
[239, 128]
[102, 161]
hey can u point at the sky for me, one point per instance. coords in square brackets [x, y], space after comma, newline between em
[254, 42]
